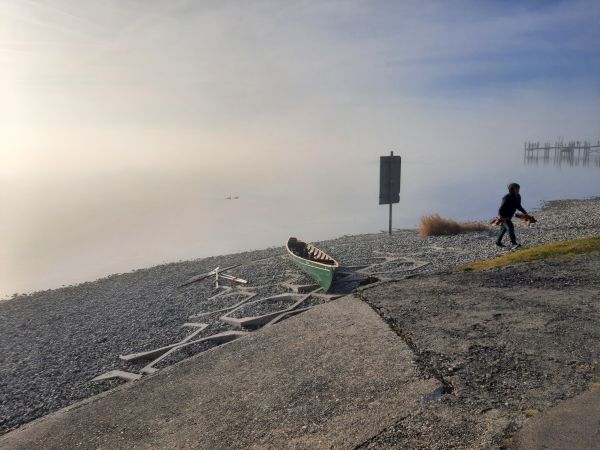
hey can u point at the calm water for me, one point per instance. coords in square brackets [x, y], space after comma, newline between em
[67, 230]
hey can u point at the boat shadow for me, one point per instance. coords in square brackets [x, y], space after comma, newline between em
[348, 278]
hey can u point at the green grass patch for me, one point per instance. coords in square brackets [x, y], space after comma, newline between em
[547, 251]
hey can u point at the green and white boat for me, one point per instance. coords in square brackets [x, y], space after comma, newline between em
[316, 263]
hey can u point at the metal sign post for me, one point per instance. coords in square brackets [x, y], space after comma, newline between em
[389, 182]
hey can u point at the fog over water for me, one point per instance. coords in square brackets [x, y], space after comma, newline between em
[125, 125]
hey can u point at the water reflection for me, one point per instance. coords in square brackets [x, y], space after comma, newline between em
[574, 153]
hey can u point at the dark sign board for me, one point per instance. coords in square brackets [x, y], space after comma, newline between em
[389, 179]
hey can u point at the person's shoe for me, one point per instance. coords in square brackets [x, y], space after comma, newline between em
[516, 246]
[500, 244]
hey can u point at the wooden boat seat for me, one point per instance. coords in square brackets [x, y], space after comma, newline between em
[307, 251]
[319, 256]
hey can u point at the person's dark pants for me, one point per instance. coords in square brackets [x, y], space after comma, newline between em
[507, 225]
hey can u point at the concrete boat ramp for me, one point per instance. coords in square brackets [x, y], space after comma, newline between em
[501, 359]
[332, 377]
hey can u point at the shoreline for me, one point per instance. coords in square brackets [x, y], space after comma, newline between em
[56, 341]
[544, 204]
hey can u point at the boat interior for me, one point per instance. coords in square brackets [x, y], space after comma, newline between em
[310, 252]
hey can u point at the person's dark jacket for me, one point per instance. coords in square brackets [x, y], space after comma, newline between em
[510, 204]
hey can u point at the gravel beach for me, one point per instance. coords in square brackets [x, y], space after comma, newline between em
[54, 342]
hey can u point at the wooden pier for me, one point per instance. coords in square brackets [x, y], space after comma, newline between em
[572, 153]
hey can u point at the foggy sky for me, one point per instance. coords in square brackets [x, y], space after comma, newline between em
[164, 103]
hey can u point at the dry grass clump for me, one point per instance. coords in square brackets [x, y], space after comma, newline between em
[435, 225]
[554, 250]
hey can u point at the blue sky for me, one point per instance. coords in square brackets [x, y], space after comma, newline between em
[455, 43]
[485, 48]
[119, 72]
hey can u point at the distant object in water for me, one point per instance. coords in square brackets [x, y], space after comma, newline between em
[574, 153]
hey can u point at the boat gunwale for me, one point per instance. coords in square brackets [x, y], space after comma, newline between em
[314, 263]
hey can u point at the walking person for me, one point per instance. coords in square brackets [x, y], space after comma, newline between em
[511, 202]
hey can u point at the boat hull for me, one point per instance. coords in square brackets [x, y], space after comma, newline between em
[321, 273]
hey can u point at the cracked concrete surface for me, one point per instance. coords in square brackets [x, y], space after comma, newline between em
[503, 343]
[573, 424]
[332, 377]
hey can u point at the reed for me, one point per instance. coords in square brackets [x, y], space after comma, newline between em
[434, 225]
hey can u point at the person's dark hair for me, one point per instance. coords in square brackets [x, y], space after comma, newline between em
[513, 186]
